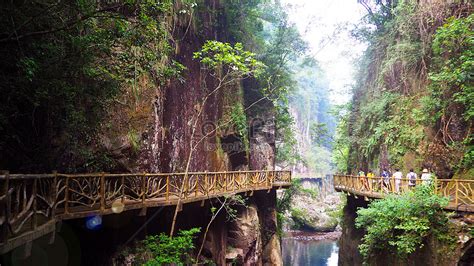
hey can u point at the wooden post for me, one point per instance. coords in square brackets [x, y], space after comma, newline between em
[102, 192]
[369, 184]
[233, 182]
[123, 189]
[66, 196]
[247, 181]
[185, 184]
[34, 219]
[54, 198]
[167, 188]
[225, 182]
[143, 188]
[197, 187]
[215, 182]
[206, 184]
[457, 188]
[266, 178]
[6, 209]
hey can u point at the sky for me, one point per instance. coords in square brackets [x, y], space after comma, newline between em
[325, 25]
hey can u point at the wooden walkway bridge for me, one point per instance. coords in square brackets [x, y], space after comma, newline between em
[32, 204]
[459, 192]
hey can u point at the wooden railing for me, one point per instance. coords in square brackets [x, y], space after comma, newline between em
[460, 192]
[30, 204]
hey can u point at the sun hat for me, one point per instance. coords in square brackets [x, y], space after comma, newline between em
[425, 170]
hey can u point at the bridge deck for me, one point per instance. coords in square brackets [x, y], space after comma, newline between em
[32, 204]
[459, 192]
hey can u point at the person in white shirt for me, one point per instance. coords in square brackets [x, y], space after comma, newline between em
[426, 176]
[398, 179]
[411, 176]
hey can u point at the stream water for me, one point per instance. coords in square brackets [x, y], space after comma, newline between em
[310, 250]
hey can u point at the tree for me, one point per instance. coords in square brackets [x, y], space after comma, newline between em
[227, 64]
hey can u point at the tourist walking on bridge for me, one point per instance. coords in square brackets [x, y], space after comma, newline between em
[386, 179]
[411, 176]
[398, 179]
[371, 180]
[426, 177]
[363, 180]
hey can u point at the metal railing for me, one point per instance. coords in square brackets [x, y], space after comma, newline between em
[460, 192]
[32, 202]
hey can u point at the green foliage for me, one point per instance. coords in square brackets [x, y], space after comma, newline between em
[239, 120]
[300, 218]
[216, 55]
[452, 75]
[341, 138]
[167, 250]
[337, 213]
[284, 203]
[452, 79]
[387, 120]
[319, 133]
[263, 27]
[65, 65]
[134, 139]
[286, 154]
[403, 223]
[229, 204]
[309, 191]
[228, 64]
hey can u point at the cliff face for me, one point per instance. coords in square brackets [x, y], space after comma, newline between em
[407, 110]
[166, 136]
[134, 104]
[252, 236]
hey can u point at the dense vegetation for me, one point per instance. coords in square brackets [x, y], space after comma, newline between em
[405, 223]
[64, 64]
[73, 72]
[412, 104]
[162, 249]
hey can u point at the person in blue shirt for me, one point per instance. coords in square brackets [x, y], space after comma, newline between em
[386, 179]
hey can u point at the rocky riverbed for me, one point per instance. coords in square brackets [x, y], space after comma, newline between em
[313, 212]
[312, 236]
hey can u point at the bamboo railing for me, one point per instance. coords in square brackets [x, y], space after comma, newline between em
[460, 192]
[30, 204]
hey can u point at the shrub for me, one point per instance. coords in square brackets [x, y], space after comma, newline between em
[300, 218]
[167, 250]
[403, 223]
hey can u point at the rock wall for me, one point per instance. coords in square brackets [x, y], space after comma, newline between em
[351, 236]
[253, 238]
[170, 112]
[166, 142]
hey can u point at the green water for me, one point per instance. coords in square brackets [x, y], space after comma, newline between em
[309, 252]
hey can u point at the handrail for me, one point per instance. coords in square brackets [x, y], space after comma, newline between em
[19, 176]
[32, 201]
[460, 192]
